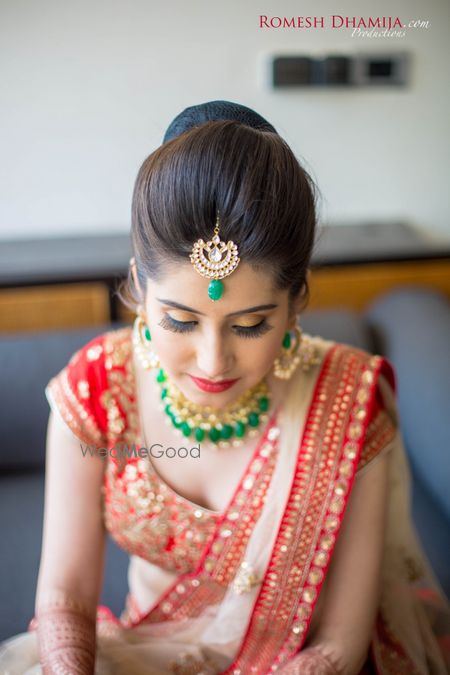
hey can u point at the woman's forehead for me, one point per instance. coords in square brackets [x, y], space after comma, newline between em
[243, 288]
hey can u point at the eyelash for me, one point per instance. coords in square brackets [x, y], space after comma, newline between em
[175, 326]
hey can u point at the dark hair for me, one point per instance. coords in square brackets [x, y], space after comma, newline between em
[266, 202]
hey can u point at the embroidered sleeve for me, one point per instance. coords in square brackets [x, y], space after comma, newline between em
[74, 394]
[382, 427]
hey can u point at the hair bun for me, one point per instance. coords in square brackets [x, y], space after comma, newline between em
[215, 110]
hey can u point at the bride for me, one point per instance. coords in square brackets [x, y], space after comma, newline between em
[285, 544]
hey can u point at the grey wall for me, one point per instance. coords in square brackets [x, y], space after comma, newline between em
[87, 89]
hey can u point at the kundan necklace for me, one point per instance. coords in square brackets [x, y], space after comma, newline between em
[221, 427]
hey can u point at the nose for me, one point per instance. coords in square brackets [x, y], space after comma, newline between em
[214, 361]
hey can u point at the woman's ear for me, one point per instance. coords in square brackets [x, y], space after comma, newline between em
[135, 276]
[298, 304]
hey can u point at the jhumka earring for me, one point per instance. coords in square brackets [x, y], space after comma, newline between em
[215, 260]
[298, 350]
[142, 342]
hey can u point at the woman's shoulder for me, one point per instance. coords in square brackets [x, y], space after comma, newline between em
[79, 391]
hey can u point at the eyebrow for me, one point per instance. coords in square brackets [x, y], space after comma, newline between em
[177, 305]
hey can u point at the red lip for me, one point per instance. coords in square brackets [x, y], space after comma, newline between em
[212, 387]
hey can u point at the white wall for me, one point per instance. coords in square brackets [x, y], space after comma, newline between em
[88, 87]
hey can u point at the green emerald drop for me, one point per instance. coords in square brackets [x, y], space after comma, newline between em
[253, 419]
[147, 333]
[215, 289]
[287, 341]
[161, 377]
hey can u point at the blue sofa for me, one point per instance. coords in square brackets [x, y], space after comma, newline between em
[411, 326]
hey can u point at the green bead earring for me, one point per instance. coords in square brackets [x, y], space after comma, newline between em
[289, 358]
[286, 340]
[297, 350]
[142, 341]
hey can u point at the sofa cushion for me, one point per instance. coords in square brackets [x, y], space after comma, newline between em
[412, 328]
[339, 324]
[22, 509]
[27, 362]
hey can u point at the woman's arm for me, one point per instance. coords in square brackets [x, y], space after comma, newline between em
[71, 567]
[341, 642]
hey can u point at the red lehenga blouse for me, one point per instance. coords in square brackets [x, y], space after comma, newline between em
[203, 553]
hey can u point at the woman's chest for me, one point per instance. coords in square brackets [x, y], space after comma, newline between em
[198, 472]
[167, 514]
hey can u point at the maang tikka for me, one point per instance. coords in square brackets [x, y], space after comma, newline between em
[215, 260]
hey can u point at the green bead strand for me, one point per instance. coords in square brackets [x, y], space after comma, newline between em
[263, 404]
[239, 429]
[186, 429]
[226, 432]
[253, 419]
[199, 434]
[214, 434]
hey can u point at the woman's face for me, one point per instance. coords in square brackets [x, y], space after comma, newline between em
[216, 340]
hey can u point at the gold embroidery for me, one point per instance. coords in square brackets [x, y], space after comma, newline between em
[380, 432]
[73, 411]
[83, 389]
[94, 353]
[389, 654]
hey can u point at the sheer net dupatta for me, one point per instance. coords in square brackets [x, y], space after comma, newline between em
[413, 625]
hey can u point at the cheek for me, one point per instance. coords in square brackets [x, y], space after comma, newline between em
[171, 347]
[273, 350]
[260, 353]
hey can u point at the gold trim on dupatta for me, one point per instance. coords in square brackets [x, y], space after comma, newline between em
[328, 458]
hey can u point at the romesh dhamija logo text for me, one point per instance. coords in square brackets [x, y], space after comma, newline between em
[334, 21]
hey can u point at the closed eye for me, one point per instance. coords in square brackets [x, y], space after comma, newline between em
[168, 323]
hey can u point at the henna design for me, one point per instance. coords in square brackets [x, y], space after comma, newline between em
[66, 635]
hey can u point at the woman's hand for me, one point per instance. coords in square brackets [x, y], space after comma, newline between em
[66, 642]
[310, 661]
